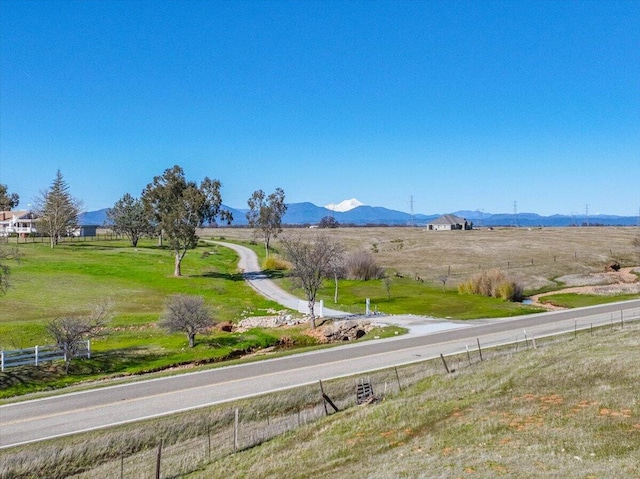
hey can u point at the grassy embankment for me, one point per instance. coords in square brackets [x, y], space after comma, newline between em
[521, 415]
[569, 408]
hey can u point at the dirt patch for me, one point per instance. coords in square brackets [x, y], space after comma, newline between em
[611, 283]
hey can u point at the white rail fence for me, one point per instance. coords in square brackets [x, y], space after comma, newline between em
[39, 354]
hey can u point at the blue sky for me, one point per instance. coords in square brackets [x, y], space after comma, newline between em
[460, 105]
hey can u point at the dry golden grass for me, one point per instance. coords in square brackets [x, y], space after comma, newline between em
[532, 257]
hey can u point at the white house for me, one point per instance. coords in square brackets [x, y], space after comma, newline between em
[449, 222]
[17, 222]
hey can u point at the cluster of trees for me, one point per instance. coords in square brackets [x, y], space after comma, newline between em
[171, 208]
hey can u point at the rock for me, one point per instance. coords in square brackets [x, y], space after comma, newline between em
[613, 265]
[346, 330]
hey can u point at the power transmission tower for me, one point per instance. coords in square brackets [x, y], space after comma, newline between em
[515, 214]
[586, 210]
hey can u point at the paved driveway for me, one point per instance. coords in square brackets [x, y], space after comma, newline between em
[251, 271]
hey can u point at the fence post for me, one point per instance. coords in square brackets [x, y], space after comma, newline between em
[88, 349]
[2, 361]
[398, 379]
[445, 364]
[158, 459]
[36, 351]
[324, 403]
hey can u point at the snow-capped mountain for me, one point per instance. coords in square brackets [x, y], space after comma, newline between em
[345, 205]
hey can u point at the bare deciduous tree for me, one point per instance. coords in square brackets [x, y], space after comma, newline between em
[312, 261]
[443, 279]
[387, 286]
[186, 314]
[69, 331]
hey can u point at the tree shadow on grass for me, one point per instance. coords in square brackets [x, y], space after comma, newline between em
[51, 375]
[218, 275]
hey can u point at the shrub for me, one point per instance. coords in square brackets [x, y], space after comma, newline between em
[275, 264]
[493, 283]
[361, 265]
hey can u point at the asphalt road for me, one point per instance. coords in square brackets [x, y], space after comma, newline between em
[36, 420]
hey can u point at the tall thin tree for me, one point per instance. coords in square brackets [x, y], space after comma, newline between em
[57, 210]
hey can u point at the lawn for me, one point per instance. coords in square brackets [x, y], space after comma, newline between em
[68, 280]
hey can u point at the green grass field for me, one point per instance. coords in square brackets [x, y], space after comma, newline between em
[67, 280]
[406, 296]
[49, 283]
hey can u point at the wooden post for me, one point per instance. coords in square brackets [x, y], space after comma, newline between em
[479, 349]
[575, 328]
[324, 403]
[209, 442]
[331, 403]
[445, 363]
[158, 459]
[398, 379]
[621, 320]
[468, 354]
[533, 342]
[121, 466]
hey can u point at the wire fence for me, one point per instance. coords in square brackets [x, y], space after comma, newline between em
[178, 445]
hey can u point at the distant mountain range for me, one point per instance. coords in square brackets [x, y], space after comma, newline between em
[362, 215]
